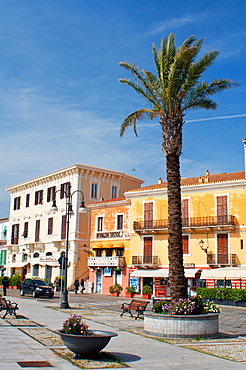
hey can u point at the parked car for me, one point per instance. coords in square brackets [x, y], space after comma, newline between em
[36, 287]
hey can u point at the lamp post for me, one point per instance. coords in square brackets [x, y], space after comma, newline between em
[69, 212]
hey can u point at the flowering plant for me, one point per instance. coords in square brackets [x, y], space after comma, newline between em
[181, 307]
[190, 306]
[75, 325]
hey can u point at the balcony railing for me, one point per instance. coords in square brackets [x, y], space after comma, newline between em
[106, 261]
[222, 259]
[145, 260]
[207, 221]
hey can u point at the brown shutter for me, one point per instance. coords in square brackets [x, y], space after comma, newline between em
[63, 227]
[15, 234]
[147, 257]
[185, 212]
[25, 233]
[148, 215]
[222, 248]
[50, 225]
[185, 243]
[48, 194]
[222, 210]
[37, 231]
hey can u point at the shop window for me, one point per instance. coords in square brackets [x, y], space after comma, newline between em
[98, 253]
[108, 252]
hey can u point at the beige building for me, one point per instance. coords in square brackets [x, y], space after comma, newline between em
[37, 234]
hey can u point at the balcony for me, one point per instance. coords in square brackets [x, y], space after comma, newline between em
[192, 222]
[106, 261]
[222, 259]
[145, 261]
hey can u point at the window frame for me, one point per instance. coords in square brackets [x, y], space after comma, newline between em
[51, 193]
[94, 190]
[100, 223]
[38, 197]
[119, 224]
[17, 201]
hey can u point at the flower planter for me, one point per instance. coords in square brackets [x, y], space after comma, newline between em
[86, 345]
[116, 294]
[181, 326]
[130, 295]
[146, 296]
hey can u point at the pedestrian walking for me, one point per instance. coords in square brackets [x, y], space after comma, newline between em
[76, 285]
[5, 284]
[82, 285]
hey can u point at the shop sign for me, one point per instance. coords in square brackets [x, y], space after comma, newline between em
[107, 272]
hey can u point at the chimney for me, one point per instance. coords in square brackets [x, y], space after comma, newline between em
[160, 180]
[207, 173]
[244, 143]
[200, 180]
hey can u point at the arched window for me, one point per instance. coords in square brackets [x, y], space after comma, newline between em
[14, 258]
[49, 254]
[35, 255]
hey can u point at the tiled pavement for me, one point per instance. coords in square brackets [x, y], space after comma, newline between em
[137, 351]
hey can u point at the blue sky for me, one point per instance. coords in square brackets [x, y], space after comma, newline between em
[61, 102]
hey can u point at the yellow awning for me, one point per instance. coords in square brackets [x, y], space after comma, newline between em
[108, 245]
[97, 245]
[119, 245]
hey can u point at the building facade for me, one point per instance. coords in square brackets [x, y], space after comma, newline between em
[37, 236]
[214, 234]
[4, 225]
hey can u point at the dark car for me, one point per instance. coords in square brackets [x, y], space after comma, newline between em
[36, 288]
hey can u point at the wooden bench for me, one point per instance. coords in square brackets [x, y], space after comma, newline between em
[8, 306]
[135, 305]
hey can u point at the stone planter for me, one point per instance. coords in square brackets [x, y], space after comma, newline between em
[181, 326]
[129, 295]
[86, 345]
[146, 296]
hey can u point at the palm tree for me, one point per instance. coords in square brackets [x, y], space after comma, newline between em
[173, 90]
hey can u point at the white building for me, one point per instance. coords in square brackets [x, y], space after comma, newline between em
[4, 226]
[37, 234]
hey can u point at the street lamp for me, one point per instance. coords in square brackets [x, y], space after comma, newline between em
[69, 213]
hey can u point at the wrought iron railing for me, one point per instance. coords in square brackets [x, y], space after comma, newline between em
[187, 222]
[222, 259]
[145, 260]
[106, 261]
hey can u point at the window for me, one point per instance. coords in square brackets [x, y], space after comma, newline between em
[24, 257]
[93, 190]
[65, 190]
[241, 243]
[119, 252]
[15, 234]
[37, 231]
[35, 270]
[25, 232]
[185, 243]
[148, 215]
[50, 226]
[119, 221]
[38, 197]
[114, 192]
[14, 258]
[108, 252]
[98, 253]
[35, 255]
[222, 248]
[51, 193]
[27, 200]
[63, 227]
[222, 211]
[17, 203]
[99, 223]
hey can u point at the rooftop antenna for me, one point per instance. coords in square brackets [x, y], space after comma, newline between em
[134, 170]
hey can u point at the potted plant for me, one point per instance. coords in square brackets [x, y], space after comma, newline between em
[14, 281]
[115, 289]
[80, 340]
[130, 291]
[146, 292]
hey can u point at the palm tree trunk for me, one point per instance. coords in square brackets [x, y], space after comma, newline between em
[175, 251]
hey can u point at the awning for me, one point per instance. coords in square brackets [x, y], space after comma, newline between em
[17, 264]
[118, 245]
[150, 273]
[224, 273]
[189, 273]
[97, 245]
[108, 245]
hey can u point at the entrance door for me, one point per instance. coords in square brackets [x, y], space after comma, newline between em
[98, 281]
[148, 215]
[222, 249]
[147, 253]
[118, 277]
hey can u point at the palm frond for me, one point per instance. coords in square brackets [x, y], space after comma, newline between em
[132, 119]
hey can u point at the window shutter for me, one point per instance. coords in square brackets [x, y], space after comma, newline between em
[63, 227]
[37, 231]
[185, 212]
[50, 225]
[147, 257]
[185, 243]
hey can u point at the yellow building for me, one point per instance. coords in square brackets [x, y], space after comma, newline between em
[214, 232]
[37, 236]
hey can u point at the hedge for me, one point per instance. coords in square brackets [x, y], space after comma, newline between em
[222, 294]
